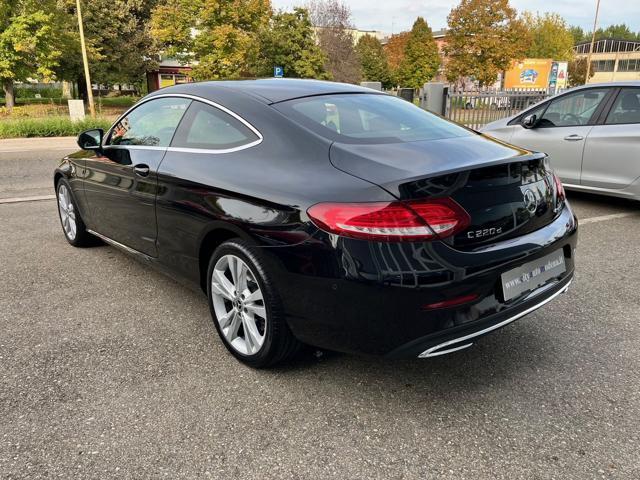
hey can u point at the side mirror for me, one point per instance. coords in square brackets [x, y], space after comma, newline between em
[529, 121]
[91, 139]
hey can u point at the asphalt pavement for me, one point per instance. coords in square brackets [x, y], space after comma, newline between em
[109, 369]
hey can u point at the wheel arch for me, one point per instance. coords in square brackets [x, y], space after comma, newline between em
[215, 236]
[57, 176]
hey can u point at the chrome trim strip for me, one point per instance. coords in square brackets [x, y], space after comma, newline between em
[133, 147]
[119, 245]
[449, 350]
[615, 192]
[188, 150]
[209, 150]
[433, 351]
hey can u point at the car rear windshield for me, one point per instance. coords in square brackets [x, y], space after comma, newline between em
[369, 118]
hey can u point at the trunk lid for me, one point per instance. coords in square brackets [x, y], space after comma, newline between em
[507, 191]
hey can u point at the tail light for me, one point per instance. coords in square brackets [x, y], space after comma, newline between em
[392, 221]
[560, 195]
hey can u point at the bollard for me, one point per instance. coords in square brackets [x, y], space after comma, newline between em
[406, 94]
[433, 97]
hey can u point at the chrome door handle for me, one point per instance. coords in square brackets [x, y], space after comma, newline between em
[574, 138]
[141, 170]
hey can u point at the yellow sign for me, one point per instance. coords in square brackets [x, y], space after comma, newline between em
[529, 73]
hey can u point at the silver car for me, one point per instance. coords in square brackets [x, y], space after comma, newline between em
[591, 133]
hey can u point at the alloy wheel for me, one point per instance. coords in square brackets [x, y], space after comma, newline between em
[238, 304]
[67, 212]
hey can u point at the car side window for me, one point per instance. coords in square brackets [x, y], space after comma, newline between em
[538, 111]
[626, 108]
[151, 124]
[207, 127]
[572, 109]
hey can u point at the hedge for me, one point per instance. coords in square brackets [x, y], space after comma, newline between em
[124, 101]
[49, 127]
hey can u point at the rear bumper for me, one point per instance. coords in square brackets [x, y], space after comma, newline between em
[370, 298]
[459, 339]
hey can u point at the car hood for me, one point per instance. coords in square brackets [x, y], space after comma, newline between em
[501, 123]
[390, 165]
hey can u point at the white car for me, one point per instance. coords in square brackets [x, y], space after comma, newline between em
[591, 134]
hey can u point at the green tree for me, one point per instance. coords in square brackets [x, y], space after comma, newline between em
[375, 67]
[221, 35]
[120, 35]
[27, 43]
[421, 59]
[577, 70]
[550, 36]
[578, 34]
[484, 37]
[289, 41]
[120, 48]
[619, 32]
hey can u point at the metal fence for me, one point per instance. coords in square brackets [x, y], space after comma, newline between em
[477, 108]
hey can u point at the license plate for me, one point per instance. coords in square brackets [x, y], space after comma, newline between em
[532, 275]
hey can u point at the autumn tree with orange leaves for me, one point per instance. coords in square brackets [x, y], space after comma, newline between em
[484, 37]
[395, 52]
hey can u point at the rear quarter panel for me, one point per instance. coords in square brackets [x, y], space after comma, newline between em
[260, 193]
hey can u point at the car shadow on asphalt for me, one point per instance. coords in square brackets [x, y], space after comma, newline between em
[498, 360]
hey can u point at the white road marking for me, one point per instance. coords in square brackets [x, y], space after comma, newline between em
[604, 218]
[27, 199]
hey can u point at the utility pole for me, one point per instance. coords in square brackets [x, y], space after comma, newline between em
[593, 39]
[85, 61]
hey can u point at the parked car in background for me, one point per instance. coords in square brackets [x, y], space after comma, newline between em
[591, 134]
[326, 214]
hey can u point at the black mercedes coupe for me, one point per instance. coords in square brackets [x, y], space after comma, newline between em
[324, 214]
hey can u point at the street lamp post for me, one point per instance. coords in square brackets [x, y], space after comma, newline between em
[85, 61]
[593, 39]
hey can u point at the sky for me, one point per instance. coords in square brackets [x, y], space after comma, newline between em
[393, 16]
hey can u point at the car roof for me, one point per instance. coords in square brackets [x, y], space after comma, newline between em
[624, 83]
[268, 90]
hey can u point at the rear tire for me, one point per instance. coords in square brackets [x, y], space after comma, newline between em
[246, 308]
[72, 224]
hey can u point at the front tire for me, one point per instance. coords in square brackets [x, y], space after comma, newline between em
[73, 227]
[246, 308]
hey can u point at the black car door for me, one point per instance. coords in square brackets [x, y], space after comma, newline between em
[121, 180]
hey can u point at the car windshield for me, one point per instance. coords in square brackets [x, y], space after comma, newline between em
[369, 118]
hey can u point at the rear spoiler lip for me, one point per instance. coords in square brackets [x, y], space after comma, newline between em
[440, 172]
[483, 164]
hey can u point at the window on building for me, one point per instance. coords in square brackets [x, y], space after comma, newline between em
[629, 65]
[602, 65]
